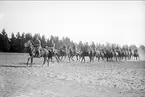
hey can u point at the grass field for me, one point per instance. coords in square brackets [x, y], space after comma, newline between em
[64, 79]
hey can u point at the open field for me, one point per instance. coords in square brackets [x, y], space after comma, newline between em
[95, 79]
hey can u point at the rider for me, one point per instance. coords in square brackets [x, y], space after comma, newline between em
[37, 44]
[85, 46]
[93, 46]
[74, 47]
[52, 45]
[82, 48]
[64, 47]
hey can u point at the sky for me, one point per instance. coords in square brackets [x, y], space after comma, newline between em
[121, 22]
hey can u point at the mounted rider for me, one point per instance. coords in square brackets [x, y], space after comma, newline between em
[86, 47]
[82, 48]
[52, 45]
[64, 47]
[135, 51]
[74, 48]
[37, 44]
[92, 46]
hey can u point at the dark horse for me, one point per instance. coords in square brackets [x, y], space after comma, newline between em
[108, 55]
[87, 53]
[136, 55]
[31, 50]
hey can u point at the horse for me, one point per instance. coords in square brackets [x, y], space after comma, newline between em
[61, 53]
[115, 55]
[120, 55]
[98, 55]
[72, 53]
[86, 53]
[52, 53]
[31, 50]
[130, 54]
[136, 55]
[108, 54]
[92, 54]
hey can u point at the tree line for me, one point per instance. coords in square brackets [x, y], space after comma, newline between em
[15, 43]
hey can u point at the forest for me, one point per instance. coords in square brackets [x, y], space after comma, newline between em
[15, 43]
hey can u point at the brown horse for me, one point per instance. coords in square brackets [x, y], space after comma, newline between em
[60, 53]
[52, 53]
[73, 53]
[31, 50]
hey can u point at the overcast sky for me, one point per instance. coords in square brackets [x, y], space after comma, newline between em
[121, 22]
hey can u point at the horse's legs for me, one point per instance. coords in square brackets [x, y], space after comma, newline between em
[116, 58]
[57, 58]
[69, 57]
[93, 58]
[31, 60]
[81, 59]
[47, 61]
[136, 57]
[72, 58]
[98, 59]
[107, 58]
[84, 59]
[28, 61]
[61, 57]
[76, 58]
[45, 58]
[90, 58]
[51, 59]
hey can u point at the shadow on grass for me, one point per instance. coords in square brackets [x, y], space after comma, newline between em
[13, 66]
[20, 65]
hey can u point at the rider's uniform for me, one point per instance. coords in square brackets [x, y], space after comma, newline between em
[52, 46]
[93, 46]
[64, 47]
[86, 48]
[37, 44]
[74, 48]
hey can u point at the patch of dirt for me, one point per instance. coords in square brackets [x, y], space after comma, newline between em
[95, 79]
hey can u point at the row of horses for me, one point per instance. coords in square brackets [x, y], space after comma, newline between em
[59, 54]
[101, 55]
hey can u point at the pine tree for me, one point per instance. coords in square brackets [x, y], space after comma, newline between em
[5, 46]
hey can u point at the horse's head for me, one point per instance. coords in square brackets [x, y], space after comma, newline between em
[27, 44]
